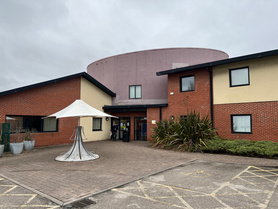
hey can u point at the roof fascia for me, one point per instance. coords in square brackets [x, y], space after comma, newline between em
[82, 74]
[132, 107]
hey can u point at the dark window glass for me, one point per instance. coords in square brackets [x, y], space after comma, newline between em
[97, 124]
[49, 124]
[36, 123]
[187, 83]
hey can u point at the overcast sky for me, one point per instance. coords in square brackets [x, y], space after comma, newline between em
[46, 39]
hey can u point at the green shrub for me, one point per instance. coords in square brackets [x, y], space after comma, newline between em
[188, 133]
[162, 133]
[242, 147]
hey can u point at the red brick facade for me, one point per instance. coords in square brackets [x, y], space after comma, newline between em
[180, 103]
[264, 120]
[43, 101]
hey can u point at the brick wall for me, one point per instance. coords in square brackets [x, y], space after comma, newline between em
[182, 102]
[154, 114]
[264, 120]
[43, 101]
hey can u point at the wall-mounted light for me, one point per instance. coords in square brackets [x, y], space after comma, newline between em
[172, 117]
[107, 119]
[171, 93]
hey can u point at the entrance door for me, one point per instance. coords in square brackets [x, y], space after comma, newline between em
[124, 126]
[115, 128]
[140, 128]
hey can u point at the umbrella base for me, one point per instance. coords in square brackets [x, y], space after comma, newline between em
[77, 152]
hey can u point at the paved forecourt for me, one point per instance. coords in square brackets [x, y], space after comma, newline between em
[119, 163]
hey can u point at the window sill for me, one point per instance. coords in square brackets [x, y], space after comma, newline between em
[241, 132]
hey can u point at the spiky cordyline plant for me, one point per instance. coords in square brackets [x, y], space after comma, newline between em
[187, 133]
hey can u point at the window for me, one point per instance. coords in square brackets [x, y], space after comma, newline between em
[239, 77]
[135, 92]
[187, 83]
[241, 124]
[49, 124]
[32, 122]
[183, 117]
[97, 124]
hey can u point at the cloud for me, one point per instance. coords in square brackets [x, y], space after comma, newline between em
[42, 40]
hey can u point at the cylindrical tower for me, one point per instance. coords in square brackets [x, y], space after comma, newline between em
[119, 72]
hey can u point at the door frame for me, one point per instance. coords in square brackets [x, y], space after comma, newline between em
[141, 139]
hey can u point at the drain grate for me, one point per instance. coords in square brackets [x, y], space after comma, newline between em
[82, 203]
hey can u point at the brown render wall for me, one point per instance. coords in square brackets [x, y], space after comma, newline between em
[182, 103]
[264, 120]
[43, 101]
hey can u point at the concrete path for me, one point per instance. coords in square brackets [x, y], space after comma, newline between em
[119, 163]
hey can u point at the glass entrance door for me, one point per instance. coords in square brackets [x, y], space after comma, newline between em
[140, 128]
[124, 126]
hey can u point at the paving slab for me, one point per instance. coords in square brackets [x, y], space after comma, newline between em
[119, 163]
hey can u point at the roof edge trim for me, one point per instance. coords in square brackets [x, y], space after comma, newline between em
[112, 107]
[82, 74]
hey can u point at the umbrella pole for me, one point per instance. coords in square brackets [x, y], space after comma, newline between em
[77, 152]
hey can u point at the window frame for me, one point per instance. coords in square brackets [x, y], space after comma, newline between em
[57, 122]
[184, 117]
[24, 124]
[181, 83]
[99, 129]
[135, 97]
[238, 132]
[240, 68]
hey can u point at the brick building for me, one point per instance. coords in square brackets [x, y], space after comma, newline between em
[240, 94]
[141, 88]
[28, 105]
[142, 98]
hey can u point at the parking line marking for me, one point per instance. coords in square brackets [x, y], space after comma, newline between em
[143, 190]
[25, 204]
[216, 194]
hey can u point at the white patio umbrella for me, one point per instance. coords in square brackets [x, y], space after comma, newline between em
[78, 109]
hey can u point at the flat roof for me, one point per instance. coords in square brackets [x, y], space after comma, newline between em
[82, 74]
[135, 107]
[220, 62]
